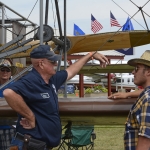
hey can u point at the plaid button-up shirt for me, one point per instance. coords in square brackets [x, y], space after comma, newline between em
[138, 121]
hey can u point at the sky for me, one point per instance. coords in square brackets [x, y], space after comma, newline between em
[79, 13]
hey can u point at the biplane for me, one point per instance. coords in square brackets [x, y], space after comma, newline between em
[80, 111]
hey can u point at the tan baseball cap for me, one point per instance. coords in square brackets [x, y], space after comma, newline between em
[4, 63]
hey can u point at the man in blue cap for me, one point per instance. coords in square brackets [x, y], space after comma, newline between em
[34, 97]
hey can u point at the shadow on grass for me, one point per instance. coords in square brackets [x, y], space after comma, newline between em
[108, 138]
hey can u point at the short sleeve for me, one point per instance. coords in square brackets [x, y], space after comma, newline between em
[59, 78]
[144, 118]
[21, 87]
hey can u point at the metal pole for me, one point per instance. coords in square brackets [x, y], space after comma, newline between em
[46, 12]
[3, 23]
[58, 18]
[41, 22]
[16, 13]
[121, 78]
[65, 53]
[109, 80]
[144, 19]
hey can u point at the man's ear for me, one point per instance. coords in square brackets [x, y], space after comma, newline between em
[148, 71]
[41, 64]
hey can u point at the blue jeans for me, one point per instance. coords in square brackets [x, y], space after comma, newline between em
[16, 142]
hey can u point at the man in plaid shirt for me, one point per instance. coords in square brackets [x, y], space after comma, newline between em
[137, 126]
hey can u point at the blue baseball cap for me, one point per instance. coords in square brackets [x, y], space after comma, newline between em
[43, 51]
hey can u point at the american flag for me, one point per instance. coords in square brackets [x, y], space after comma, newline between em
[95, 25]
[113, 20]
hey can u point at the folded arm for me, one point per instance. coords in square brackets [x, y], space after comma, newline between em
[126, 95]
[17, 103]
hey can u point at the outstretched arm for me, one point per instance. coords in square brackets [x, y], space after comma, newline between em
[76, 67]
[126, 95]
[17, 103]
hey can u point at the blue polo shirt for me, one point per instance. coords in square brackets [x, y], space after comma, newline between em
[1, 90]
[1, 96]
[43, 101]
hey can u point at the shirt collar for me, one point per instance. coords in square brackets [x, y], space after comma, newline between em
[39, 76]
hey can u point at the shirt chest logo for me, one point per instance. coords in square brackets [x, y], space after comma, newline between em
[45, 95]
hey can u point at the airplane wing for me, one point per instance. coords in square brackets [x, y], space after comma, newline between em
[96, 77]
[97, 42]
[27, 53]
[112, 68]
[108, 41]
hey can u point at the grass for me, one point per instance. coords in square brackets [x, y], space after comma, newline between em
[108, 137]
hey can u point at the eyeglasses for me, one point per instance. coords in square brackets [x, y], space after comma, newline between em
[137, 68]
[4, 70]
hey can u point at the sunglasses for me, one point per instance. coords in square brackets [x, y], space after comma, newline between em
[137, 68]
[52, 62]
[4, 70]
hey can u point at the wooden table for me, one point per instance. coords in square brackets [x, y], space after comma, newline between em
[81, 110]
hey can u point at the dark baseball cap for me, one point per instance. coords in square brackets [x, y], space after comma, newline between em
[43, 51]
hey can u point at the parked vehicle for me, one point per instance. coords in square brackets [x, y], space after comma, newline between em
[70, 89]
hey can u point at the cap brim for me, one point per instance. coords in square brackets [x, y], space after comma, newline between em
[134, 62]
[5, 67]
[54, 57]
[12, 68]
